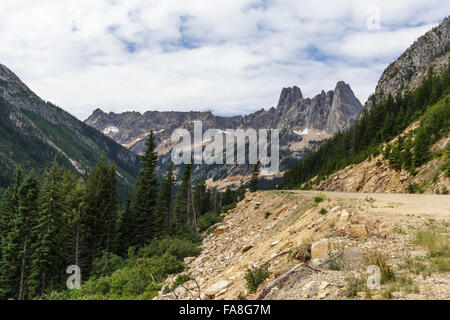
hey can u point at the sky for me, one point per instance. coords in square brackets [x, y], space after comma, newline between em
[230, 57]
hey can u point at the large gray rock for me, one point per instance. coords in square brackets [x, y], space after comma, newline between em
[431, 49]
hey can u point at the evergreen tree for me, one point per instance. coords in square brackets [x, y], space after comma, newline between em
[183, 211]
[201, 198]
[125, 233]
[24, 223]
[228, 197]
[9, 204]
[101, 208]
[421, 147]
[46, 266]
[112, 210]
[254, 180]
[163, 212]
[74, 230]
[146, 194]
[11, 238]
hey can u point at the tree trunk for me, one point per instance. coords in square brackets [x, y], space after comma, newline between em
[43, 283]
[22, 269]
[194, 214]
[169, 220]
[107, 236]
[77, 246]
[188, 210]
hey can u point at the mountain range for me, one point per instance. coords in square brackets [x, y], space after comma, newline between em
[302, 123]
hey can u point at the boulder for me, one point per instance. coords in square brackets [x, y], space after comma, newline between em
[216, 288]
[220, 230]
[357, 230]
[319, 251]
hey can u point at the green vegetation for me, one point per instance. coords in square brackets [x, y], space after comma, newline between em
[253, 185]
[402, 283]
[32, 142]
[385, 120]
[256, 276]
[267, 214]
[437, 244]
[323, 211]
[381, 260]
[139, 276]
[59, 219]
[413, 149]
[319, 198]
[355, 285]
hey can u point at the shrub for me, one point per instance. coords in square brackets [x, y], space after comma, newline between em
[381, 260]
[175, 247]
[228, 207]
[436, 244]
[256, 276]
[143, 277]
[181, 278]
[267, 214]
[415, 266]
[106, 264]
[208, 219]
[404, 284]
[319, 198]
[355, 285]
[441, 264]
[323, 211]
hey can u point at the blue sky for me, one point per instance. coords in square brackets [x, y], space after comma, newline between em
[231, 57]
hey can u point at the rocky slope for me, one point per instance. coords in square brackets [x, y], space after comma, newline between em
[33, 132]
[280, 227]
[376, 175]
[430, 50]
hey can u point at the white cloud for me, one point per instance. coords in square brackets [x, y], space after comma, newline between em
[230, 56]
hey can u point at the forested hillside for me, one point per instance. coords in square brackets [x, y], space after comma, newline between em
[33, 132]
[58, 219]
[384, 121]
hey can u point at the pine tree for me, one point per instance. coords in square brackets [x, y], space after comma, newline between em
[9, 248]
[24, 223]
[183, 211]
[101, 208]
[126, 227]
[163, 212]
[421, 147]
[46, 259]
[9, 204]
[201, 198]
[228, 197]
[254, 180]
[111, 213]
[146, 194]
[73, 224]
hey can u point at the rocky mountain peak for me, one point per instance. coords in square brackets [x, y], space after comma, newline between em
[430, 50]
[345, 107]
[98, 112]
[289, 95]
